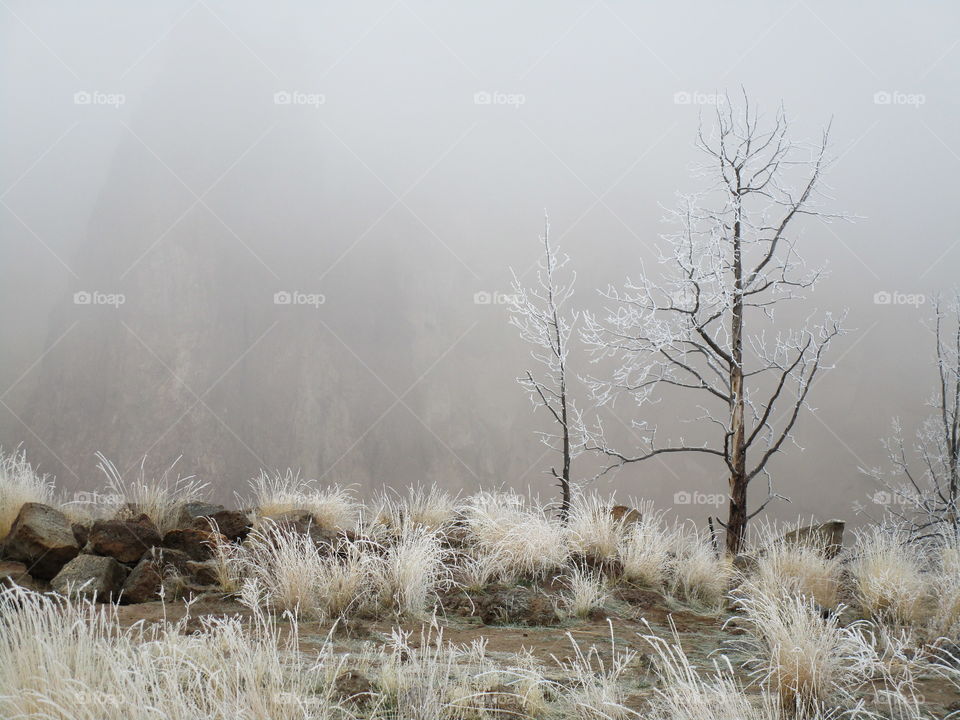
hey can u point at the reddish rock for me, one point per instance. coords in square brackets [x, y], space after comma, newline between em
[194, 510]
[198, 544]
[124, 540]
[145, 580]
[42, 539]
[232, 524]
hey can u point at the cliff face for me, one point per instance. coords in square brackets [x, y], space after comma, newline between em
[199, 361]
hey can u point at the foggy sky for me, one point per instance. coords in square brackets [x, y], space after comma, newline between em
[390, 187]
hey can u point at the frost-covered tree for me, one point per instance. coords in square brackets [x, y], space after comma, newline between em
[705, 325]
[541, 316]
[921, 484]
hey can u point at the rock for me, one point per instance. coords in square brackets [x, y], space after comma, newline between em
[91, 574]
[81, 532]
[15, 573]
[300, 521]
[198, 544]
[145, 580]
[518, 605]
[232, 524]
[827, 537]
[625, 515]
[203, 573]
[124, 540]
[190, 511]
[354, 687]
[41, 538]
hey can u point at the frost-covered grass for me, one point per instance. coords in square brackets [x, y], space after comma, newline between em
[697, 573]
[19, 485]
[888, 577]
[332, 507]
[646, 548]
[519, 536]
[160, 497]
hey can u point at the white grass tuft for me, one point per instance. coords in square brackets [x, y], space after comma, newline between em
[888, 577]
[19, 485]
[646, 549]
[586, 591]
[332, 507]
[159, 497]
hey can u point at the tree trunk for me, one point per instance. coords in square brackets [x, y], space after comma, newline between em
[737, 452]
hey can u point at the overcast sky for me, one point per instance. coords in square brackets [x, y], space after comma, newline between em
[394, 159]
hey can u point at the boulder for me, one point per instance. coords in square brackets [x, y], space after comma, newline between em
[190, 511]
[197, 544]
[517, 605]
[826, 537]
[42, 539]
[232, 524]
[625, 515]
[81, 532]
[145, 580]
[203, 573]
[90, 574]
[124, 540]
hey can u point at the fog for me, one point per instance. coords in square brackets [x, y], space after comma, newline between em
[394, 160]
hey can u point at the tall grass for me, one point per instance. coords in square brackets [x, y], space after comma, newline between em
[19, 485]
[63, 659]
[697, 573]
[646, 549]
[409, 572]
[332, 507]
[889, 582]
[594, 532]
[159, 497]
[517, 533]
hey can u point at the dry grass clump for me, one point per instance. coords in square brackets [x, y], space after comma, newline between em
[332, 507]
[696, 572]
[888, 578]
[430, 507]
[522, 540]
[646, 549]
[19, 485]
[159, 497]
[594, 689]
[408, 572]
[290, 573]
[66, 659]
[799, 570]
[593, 532]
[586, 591]
[803, 656]
[945, 619]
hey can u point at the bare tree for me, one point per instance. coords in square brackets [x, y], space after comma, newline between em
[922, 486]
[706, 325]
[539, 314]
